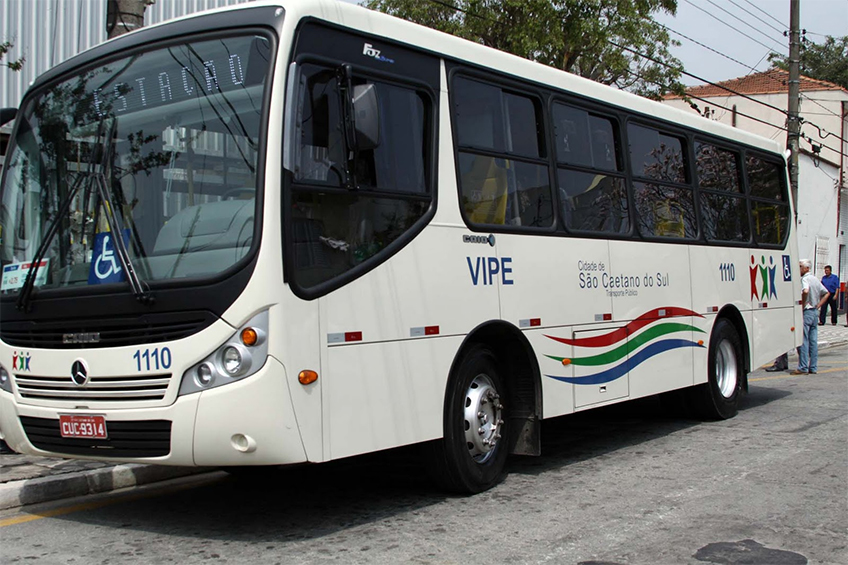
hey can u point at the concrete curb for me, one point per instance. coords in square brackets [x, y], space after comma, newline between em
[44, 489]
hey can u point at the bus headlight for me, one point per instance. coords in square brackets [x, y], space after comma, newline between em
[5, 380]
[241, 356]
[233, 360]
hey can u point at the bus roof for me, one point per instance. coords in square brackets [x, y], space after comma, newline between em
[367, 21]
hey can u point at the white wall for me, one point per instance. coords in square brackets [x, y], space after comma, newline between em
[817, 212]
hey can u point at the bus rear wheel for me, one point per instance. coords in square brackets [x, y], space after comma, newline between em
[472, 455]
[718, 398]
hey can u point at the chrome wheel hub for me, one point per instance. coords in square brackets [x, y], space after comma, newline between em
[726, 368]
[483, 418]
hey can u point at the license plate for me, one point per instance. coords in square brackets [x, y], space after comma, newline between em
[89, 427]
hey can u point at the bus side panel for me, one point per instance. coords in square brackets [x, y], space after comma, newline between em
[384, 395]
[651, 290]
[556, 281]
[773, 298]
[383, 388]
[719, 279]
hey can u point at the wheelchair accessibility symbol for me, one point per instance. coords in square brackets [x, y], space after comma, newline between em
[105, 266]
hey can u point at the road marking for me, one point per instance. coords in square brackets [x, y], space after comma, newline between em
[789, 376]
[128, 495]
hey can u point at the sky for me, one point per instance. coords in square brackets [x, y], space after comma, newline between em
[744, 30]
[756, 33]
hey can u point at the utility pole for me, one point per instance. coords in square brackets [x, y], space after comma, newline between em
[794, 121]
[124, 16]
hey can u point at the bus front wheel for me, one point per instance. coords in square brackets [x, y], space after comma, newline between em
[718, 398]
[472, 455]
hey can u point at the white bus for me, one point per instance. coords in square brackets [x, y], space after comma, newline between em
[295, 232]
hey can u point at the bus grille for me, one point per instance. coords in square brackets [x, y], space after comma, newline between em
[105, 332]
[148, 438]
[98, 389]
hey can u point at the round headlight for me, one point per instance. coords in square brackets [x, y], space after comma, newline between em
[4, 376]
[204, 374]
[232, 360]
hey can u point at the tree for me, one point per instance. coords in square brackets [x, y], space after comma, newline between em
[822, 61]
[124, 16]
[596, 39]
[16, 65]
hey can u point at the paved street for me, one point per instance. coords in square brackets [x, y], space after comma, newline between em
[632, 484]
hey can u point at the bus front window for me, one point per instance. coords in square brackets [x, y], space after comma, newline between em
[158, 150]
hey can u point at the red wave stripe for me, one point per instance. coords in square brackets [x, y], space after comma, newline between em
[621, 333]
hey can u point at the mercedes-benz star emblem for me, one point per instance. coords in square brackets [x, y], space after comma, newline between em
[79, 373]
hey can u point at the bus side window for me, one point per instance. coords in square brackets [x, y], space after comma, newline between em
[664, 200]
[724, 210]
[338, 222]
[592, 188]
[503, 173]
[769, 207]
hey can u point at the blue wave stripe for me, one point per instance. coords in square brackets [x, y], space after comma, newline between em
[629, 364]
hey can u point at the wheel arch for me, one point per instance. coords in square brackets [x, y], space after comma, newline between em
[522, 377]
[732, 315]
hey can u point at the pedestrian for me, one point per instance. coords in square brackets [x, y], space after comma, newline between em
[831, 283]
[813, 295]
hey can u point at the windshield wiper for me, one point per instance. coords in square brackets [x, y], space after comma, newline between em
[102, 183]
[99, 180]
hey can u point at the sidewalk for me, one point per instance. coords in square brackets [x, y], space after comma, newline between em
[25, 479]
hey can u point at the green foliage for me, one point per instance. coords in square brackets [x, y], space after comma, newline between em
[5, 47]
[591, 38]
[822, 61]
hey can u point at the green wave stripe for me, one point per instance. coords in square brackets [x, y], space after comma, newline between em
[629, 346]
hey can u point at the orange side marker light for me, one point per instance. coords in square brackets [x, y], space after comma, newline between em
[307, 377]
[249, 337]
[701, 342]
[566, 362]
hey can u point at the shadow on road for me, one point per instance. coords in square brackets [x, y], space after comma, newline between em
[288, 505]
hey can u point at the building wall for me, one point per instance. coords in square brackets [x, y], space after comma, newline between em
[47, 32]
[817, 213]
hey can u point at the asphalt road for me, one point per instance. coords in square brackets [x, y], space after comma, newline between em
[632, 484]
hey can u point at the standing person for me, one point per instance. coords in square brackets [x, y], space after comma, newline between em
[831, 283]
[813, 295]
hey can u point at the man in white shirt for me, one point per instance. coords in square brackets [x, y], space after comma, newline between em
[813, 296]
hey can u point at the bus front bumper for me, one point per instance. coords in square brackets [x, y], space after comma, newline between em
[249, 422]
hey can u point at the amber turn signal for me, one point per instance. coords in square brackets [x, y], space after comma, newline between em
[566, 362]
[307, 377]
[249, 337]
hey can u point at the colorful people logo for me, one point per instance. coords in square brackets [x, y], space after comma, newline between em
[766, 277]
[19, 362]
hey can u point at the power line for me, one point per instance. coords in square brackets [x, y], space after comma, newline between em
[739, 31]
[734, 16]
[780, 31]
[783, 25]
[681, 71]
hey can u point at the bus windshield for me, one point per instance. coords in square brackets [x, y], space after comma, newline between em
[160, 147]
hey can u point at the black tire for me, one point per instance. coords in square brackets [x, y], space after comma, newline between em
[463, 462]
[718, 398]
